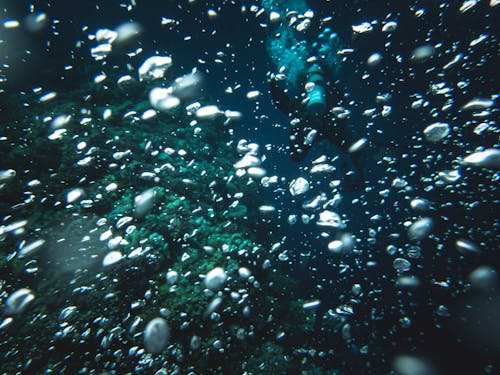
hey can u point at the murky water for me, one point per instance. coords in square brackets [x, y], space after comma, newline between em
[274, 187]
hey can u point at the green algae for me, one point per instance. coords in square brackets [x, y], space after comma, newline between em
[191, 228]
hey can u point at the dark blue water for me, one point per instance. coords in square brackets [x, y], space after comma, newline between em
[463, 341]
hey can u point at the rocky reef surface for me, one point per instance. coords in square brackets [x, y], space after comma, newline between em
[114, 216]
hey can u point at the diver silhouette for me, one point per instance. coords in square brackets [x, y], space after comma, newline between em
[314, 120]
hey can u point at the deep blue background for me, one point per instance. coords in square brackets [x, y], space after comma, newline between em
[246, 63]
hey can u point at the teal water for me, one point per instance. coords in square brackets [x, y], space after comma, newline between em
[284, 187]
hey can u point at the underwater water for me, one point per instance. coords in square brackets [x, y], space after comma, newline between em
[249, 187]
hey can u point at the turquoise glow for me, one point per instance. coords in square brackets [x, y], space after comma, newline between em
[290, 49]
